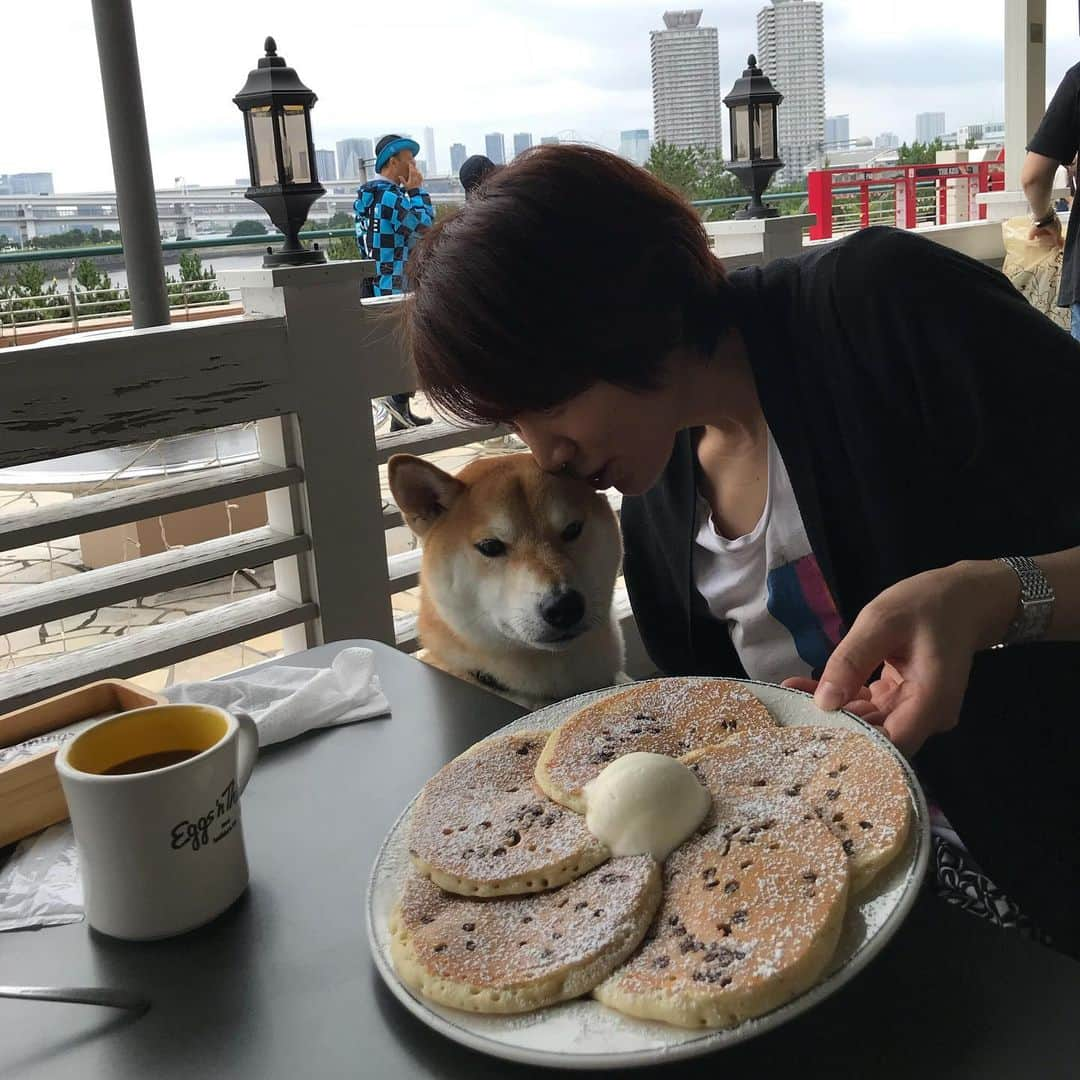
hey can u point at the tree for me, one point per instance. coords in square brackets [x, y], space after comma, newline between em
[249, 227]
[920, 153]
[195, 286]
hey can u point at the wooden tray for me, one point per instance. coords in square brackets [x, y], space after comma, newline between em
[30, 794]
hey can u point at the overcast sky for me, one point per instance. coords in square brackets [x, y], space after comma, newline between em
[464, 67]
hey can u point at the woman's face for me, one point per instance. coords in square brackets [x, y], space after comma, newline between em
[607, 435]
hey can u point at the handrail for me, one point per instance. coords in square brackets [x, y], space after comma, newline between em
[21, 255]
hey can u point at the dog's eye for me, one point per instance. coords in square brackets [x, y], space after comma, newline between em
[491, 548]
[573, 530]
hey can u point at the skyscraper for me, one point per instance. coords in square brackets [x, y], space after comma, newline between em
[326, 164]
[686, 82]
[791, 51]
[429, 151]
[522, 142]
[495, 146]
[887, 140]
[837, 131]
[928, 126]
[634, 145]
[549, 140]
[458, 153]
[351, 153]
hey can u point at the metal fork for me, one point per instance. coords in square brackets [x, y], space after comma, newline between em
[79, 995]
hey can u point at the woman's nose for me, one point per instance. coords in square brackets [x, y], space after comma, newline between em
[552, 453]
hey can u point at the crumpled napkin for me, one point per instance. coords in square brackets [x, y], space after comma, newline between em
[40, 884]
[288, 701]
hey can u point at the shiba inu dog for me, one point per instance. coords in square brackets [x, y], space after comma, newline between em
[517, 575]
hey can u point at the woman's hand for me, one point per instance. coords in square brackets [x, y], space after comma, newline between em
[922, 632]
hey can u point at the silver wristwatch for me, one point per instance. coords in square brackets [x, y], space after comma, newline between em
[1036, 602]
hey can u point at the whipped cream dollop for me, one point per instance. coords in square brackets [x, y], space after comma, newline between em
[645, 804]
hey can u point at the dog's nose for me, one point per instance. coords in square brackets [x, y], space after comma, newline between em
[563, 609]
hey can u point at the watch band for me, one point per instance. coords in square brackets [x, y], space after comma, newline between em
[1036, 601]
[1045, 219]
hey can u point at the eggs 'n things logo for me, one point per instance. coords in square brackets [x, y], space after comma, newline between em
[197, 833]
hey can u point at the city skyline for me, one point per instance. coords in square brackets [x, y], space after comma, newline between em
[586, 69]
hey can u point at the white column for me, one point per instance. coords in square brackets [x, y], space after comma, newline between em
[1025, 80]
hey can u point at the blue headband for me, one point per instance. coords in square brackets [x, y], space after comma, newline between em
[395, 148]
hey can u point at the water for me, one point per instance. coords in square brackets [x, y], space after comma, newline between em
[222, 261]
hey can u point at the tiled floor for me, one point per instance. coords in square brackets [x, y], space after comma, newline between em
[26, 567]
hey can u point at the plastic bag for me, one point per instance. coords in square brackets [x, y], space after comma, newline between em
[1034, 269]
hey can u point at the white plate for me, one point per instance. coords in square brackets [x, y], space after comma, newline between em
[584, 1034]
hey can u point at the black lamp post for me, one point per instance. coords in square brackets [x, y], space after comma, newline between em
[281, 156]
[752, 106]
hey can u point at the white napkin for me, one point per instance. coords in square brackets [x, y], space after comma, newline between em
[41, 886]
[287, 701]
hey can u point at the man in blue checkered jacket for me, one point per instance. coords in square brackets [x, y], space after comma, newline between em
[391, 212]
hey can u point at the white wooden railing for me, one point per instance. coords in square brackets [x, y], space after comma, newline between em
[303, 362]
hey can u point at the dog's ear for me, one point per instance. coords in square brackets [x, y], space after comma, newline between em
[422, 491]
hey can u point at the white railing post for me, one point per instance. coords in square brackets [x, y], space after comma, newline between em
[338, 365]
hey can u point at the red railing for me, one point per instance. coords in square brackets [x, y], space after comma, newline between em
[909, 195]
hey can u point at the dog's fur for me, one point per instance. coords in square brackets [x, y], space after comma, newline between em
[482, 617]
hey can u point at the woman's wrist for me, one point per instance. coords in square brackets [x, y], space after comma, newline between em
[990, 591]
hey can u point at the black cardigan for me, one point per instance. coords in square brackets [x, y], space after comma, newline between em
[925, 412]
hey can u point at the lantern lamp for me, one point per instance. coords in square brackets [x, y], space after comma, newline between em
[752, 106]
[281, 155]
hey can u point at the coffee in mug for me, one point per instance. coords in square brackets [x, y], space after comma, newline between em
[154, 798]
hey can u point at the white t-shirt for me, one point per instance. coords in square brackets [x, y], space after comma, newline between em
[767, 586]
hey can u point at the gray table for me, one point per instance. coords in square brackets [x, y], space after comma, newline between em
[283, 985]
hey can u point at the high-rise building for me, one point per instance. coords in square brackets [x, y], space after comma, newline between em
[495, 146]
[26, 183]
[549, 140]
[351, 155]
[887, 140]
[429, 152]
[326, 164]
[928, 126]
[458, 153]
[522, 142]
[837, 131]
[791, 51]
[686, 82]
[634, 145]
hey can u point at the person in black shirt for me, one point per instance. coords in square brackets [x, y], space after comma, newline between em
[823, 458]
[1054, 144]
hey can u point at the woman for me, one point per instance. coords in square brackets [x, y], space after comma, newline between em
[844, 441]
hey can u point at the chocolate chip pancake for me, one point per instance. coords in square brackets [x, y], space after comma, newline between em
[751, 915]
[664, 716]
[483, 828]
[854, 786]
[514, 954]
[859, 790]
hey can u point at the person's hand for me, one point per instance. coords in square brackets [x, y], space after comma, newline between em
[922, 632]
[415, 178]
[1049, 235]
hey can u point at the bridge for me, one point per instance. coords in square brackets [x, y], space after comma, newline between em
[182, 212]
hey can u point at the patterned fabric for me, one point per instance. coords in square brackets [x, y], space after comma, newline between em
[389, 221]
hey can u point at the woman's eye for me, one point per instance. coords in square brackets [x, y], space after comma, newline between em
[573, 530]
[491, 548]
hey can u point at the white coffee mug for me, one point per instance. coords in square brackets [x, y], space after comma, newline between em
[154, 797]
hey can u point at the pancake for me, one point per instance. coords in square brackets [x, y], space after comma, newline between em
[854, 786]
[482, 828]
[751, 915]
[664, 716]
[859, 790]
[513, 954]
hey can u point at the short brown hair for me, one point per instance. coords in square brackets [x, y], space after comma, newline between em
[571, 266]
